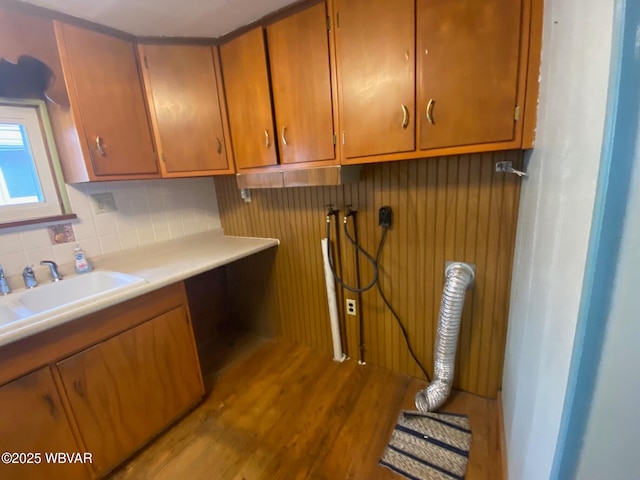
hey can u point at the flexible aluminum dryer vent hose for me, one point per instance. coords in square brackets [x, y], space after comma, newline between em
[458, 278]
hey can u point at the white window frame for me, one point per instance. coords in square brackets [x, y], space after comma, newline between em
[32, 114]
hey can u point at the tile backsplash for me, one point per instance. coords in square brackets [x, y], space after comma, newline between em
[148, 211]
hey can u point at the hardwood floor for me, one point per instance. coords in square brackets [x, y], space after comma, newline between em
[279, 410]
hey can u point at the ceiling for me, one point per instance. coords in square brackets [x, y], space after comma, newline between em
[172, 18]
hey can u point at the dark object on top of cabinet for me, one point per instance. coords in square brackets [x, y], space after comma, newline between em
[27, 35]
[28, 78]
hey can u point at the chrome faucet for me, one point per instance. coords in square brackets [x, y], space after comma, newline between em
[4, 288]
[53, 268]
[29, 277]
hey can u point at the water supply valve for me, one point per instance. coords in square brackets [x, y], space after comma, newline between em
[349, 212]
[331, 212]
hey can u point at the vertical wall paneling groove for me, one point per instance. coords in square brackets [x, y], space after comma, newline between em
[453, 208]
[423, 341]
[469, 248]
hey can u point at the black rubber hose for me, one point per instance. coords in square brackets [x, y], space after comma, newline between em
[393, 312]
[374, 262]
[360, 249]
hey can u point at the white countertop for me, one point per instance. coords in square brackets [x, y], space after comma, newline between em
[159, 264]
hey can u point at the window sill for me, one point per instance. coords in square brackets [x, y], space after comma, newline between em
[36, 221]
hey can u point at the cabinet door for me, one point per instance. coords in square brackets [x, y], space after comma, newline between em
[301, 83]
[102, 74]
[375, 43]
[32, 420]
[468, 71]
[185, 106]
[126, 389]
[246, 82]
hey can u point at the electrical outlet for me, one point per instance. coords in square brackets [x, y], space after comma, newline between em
[103, 203]
[385, 216]
[351, 307]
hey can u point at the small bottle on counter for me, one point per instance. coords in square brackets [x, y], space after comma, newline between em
[82, 264]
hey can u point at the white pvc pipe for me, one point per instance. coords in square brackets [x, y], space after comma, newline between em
[338, 355]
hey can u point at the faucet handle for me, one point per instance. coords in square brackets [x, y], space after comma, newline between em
[29, 277]
[4, 287]
[53, 268]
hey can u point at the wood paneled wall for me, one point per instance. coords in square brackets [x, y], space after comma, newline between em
[453, 208]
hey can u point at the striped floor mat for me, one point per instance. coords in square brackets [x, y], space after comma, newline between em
[426, 446]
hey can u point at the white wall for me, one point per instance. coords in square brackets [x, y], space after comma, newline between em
[147, 212]
[554, 222]
[613, 427]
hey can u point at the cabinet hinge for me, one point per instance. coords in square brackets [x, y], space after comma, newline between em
[335, 138]
[338, 20]
[162, 157]
[328, 23]
[516, 114]
[146, 64]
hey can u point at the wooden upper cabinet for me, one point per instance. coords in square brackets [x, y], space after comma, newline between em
[126, 389]
[246, 82]
[468, 54]
[32, 420]
[107, 102]
[375, 42]
[301, 84]
[187, 108]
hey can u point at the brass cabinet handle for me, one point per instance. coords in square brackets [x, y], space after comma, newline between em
[78, 387]
[219, 143]
[283, 135]
[99, 146]
[430, 105]
[49, 401]
[266, 138]
[405, 116]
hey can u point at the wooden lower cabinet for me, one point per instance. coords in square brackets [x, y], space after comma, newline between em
[32, 420]
[126, 389]
[104, 384]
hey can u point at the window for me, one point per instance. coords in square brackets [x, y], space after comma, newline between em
[31, 185]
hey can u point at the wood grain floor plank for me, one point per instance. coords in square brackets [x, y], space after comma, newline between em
[286, 411]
